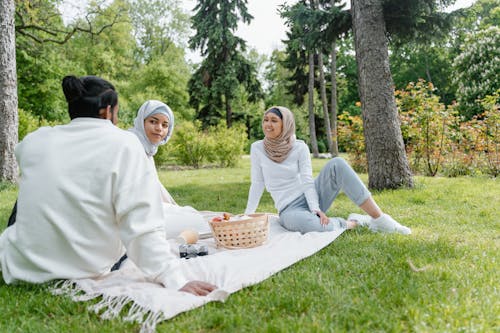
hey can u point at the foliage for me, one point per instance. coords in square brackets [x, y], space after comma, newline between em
[110, 54]
[413, 61]
[228, 144]
[29, 123]
[191, 146]
[277, 77]
[425, 124]
[312, 29]
[490, 133]
[158, 26]
[352, 141]
[476, 69]
[414, 20]
[40, 66]
[164, 79]
[375, 282]
[437, 140]
[347, 76]
[248, 114]
[215, 82]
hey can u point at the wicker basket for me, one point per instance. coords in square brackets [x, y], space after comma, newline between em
[241, 234]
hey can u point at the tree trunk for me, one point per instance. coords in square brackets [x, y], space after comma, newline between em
[324, 103]
[312, 126]
[387, 163]
[229, 113]
[333, 103]
[8, 93]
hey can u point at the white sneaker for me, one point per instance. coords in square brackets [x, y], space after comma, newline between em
[363, 220]
[387, 224]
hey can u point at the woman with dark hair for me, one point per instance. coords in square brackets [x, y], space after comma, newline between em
[90, 96]
[282, 164]
[87, 194]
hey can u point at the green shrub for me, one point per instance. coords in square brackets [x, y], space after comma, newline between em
[459, 164]
[29, 123]
[426, 125]
[163, 155]
[352, 141]
[190, 145]
[228, 144]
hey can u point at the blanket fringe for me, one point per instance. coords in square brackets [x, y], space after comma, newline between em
[110, 307]
[73, 290]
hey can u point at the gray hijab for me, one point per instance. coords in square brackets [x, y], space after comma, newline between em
[146, 110]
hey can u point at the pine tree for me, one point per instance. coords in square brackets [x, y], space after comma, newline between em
[224, 68]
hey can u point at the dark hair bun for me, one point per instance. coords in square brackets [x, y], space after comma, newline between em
[73, 88]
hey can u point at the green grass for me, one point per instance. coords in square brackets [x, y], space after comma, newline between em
[362, 282]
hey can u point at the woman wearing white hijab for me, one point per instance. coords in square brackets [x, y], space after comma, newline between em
[154, 126]
[282, 164]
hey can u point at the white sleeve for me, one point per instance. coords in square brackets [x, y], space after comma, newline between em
[165, 195]
[257, 182]
[305, 170]
[140, 219]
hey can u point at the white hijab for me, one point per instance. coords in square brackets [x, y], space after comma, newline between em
[146, 110]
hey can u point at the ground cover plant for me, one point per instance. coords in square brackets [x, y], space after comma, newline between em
[442, 278]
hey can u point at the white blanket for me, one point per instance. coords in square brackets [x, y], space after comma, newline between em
[230, 270]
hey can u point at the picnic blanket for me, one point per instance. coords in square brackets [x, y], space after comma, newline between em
[230, 270]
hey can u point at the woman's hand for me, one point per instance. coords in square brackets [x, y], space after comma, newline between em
[323, 219]
[198, 288]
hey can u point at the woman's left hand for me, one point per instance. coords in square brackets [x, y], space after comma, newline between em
[323, 219]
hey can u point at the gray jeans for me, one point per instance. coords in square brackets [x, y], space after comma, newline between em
[336, 175]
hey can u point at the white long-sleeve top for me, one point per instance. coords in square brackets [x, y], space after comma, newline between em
[285, 181]
[87, 193]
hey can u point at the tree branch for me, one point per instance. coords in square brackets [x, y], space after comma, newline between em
[63, 35]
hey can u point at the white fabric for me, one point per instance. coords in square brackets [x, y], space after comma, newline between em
[87, 193]
[180, 218]
[285, 181]
[230, 270]
[165, 195]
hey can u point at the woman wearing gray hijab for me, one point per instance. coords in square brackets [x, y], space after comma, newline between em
[282, 164]
[154, 125]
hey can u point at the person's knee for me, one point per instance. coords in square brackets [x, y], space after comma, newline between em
[338, 163]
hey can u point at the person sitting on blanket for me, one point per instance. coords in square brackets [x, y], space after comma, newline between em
[87, 193]
[282, 164]
[154, 125]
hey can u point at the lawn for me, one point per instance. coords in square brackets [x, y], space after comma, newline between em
[445, 277]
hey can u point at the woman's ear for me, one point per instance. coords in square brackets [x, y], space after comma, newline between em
[106, 113]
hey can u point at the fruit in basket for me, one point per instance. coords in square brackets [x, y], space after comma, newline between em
[217, 219]
[224, 218]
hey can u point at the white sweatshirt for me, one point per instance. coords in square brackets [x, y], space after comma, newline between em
[87, 192]
[285, 181]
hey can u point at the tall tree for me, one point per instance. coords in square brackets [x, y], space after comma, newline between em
[314, 26]
[301, 46]
[339, 24]
[322, 85]
[387, 163]
[32, 20]
[310, 106]
[158, 26]
[8, 93]
[216, 81]
[373, 21]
